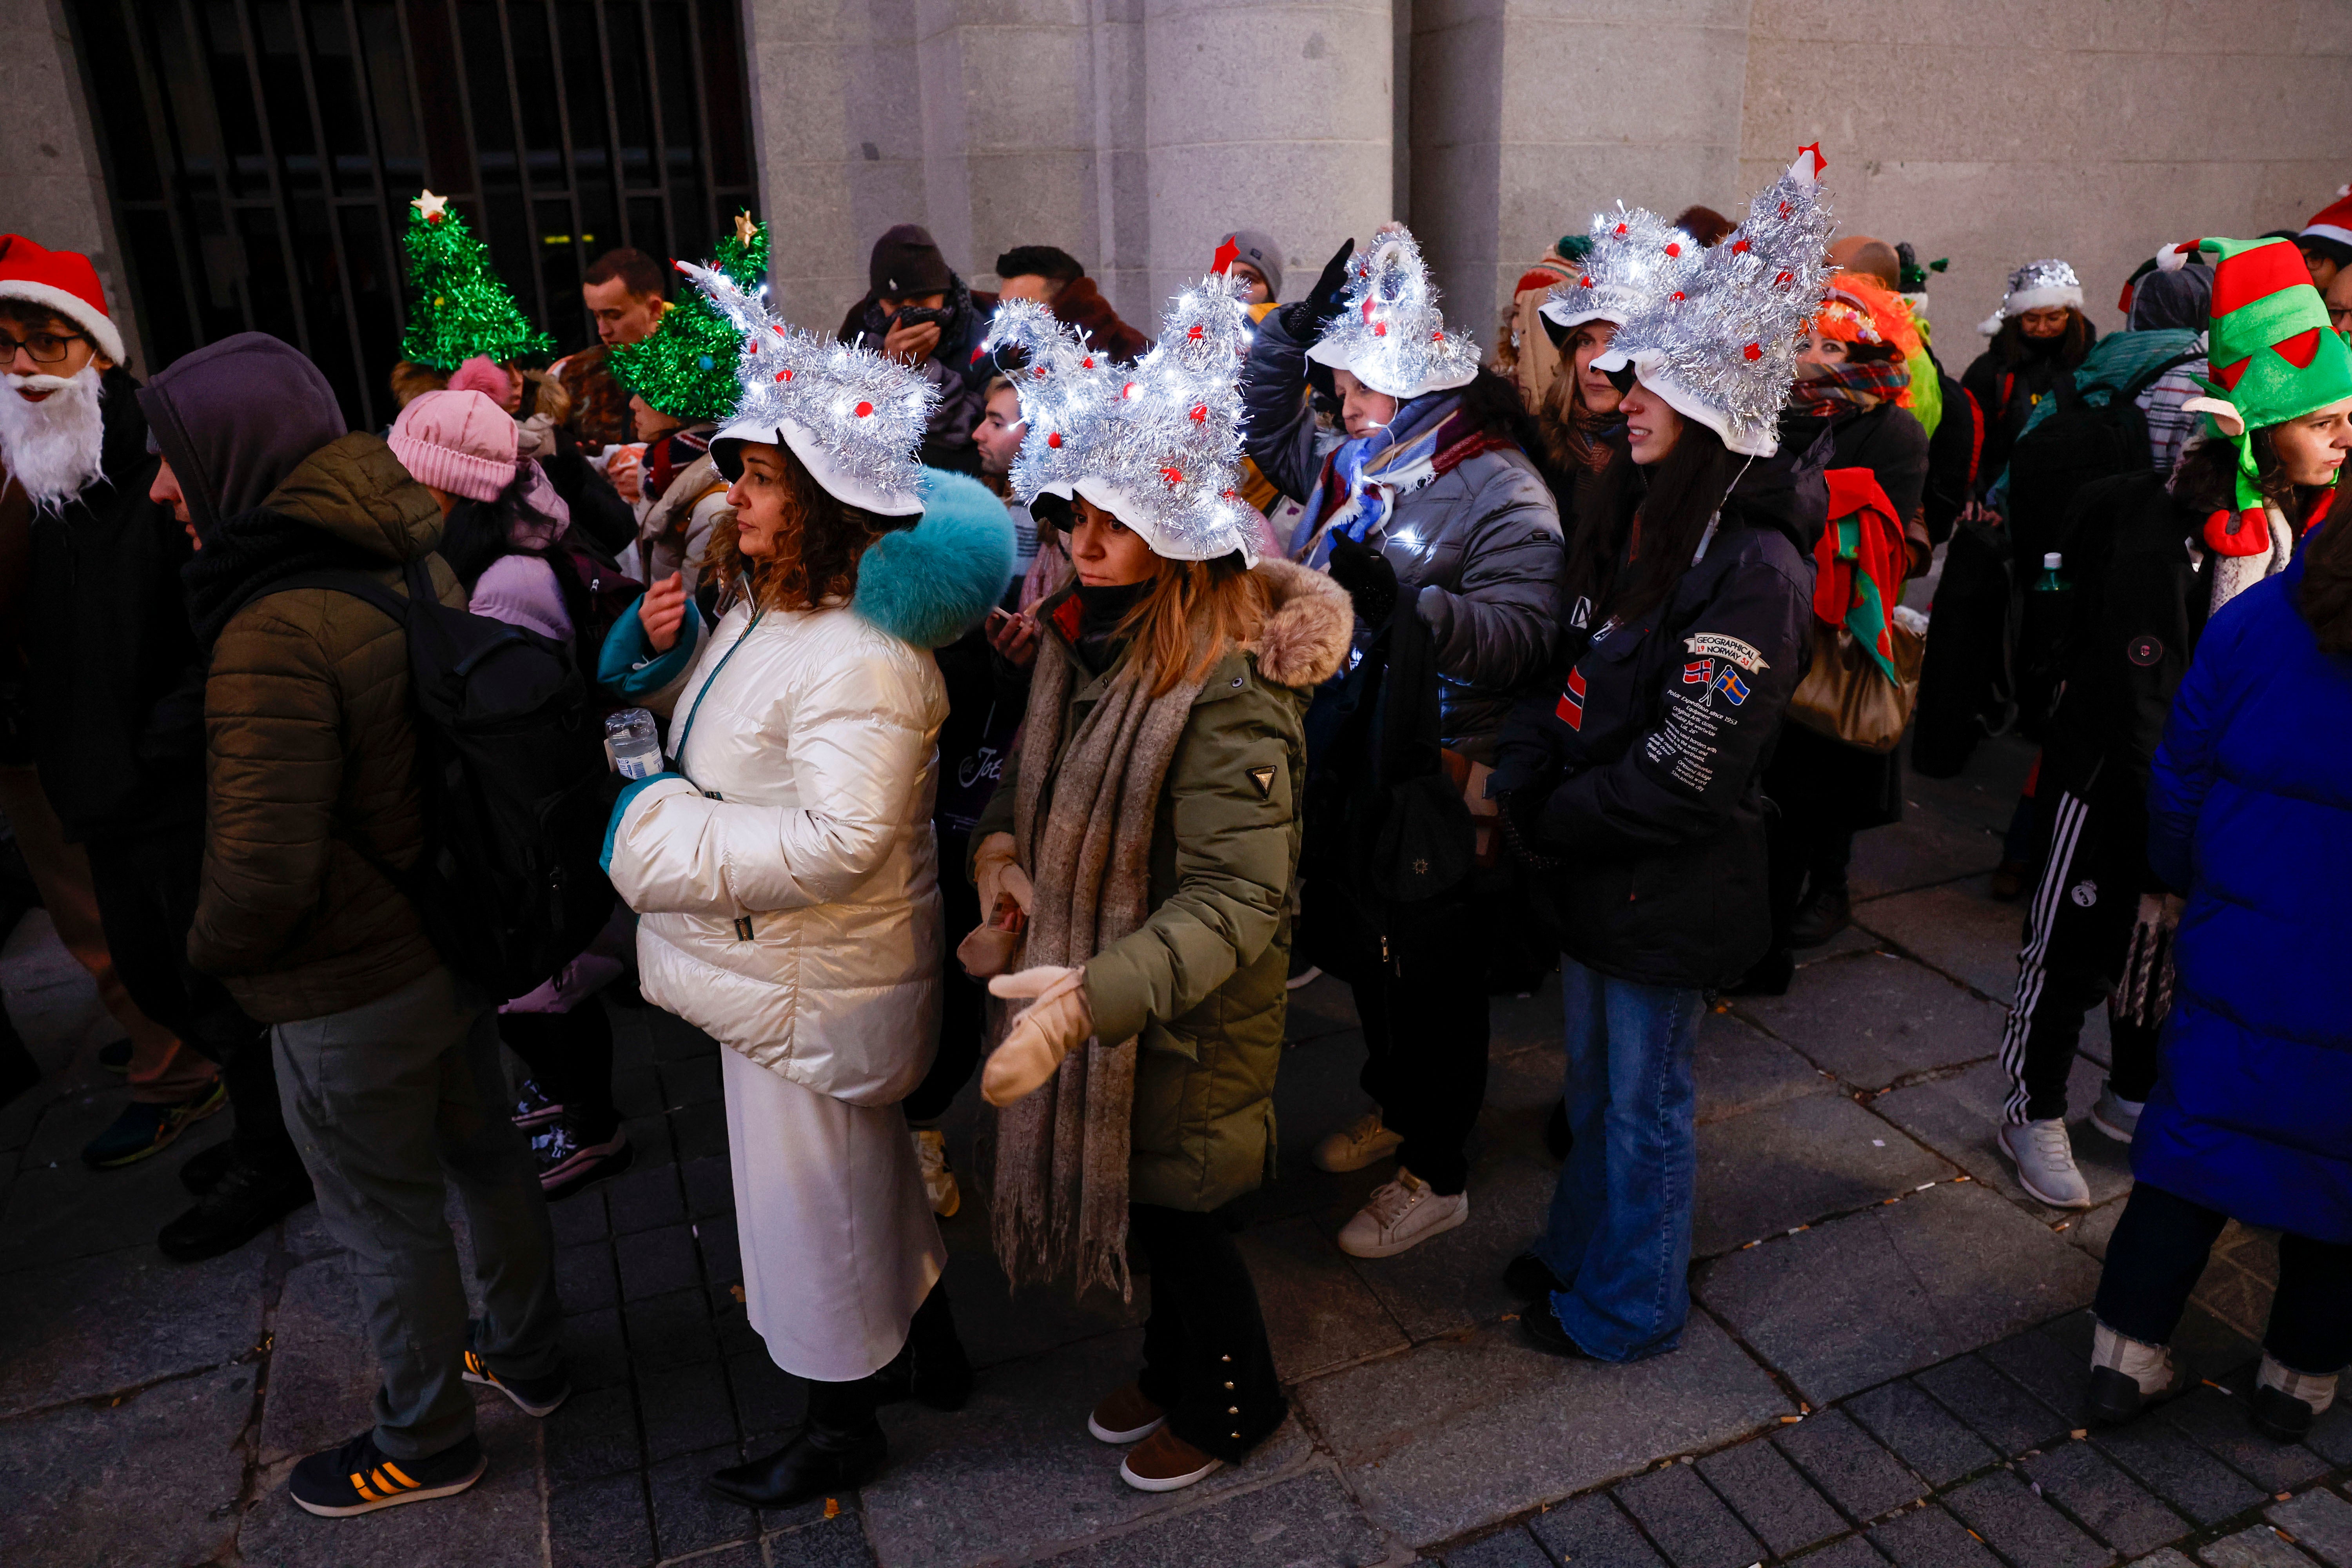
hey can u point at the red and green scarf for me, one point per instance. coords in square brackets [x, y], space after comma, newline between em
[1859, 564]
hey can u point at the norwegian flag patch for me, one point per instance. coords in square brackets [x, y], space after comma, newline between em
[1571, 707]
[1698, 672]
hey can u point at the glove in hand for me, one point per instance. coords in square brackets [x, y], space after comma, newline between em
[1048, 1029]
[1368, 578]
[1306, 319]
[996, 877]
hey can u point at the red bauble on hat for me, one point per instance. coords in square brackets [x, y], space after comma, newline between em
[63, 281]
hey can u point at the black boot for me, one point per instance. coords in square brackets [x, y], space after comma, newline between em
[839, 1449]
[1771, 976]
[244, 1200]
[1559, 1139]
[1826, 911]
[932, 1367]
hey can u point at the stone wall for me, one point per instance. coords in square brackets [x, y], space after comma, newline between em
[51, 185]
[1995, 132]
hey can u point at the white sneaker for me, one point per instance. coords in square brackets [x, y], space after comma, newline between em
[939, 1180]
[2046, 1163]
[1363, 1142]
[1401, 1215]
[2114, 1115]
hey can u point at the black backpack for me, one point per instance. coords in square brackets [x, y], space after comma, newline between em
[516, 790]
[2074, 445]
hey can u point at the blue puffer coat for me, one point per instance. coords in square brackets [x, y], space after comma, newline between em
[2250, 809]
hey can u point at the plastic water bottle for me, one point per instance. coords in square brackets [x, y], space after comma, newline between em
[634, 743]
[2043, 644]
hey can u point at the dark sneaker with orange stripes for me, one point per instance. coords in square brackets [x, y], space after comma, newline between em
[357, 1478]
[532, 1396]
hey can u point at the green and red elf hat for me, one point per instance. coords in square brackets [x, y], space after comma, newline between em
[2272, 357]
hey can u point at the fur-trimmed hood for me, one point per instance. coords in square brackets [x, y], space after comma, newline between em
[928, 584]
[1305, 639]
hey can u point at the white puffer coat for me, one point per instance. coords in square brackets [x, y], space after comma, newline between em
[787, 872]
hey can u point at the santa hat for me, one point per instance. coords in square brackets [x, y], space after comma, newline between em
[1390, 335]
[854, 418]
[2273, 358]
[2036, 286]
[1629, 255]
[2329, 232]
[60, 280]
[1157, 445]
[1724, 351]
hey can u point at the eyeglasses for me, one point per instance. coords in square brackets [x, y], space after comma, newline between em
[47, 347]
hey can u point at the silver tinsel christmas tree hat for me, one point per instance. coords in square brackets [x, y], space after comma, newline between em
[1156, 444]
[853, 418]
[1391, 336]
[1724, 349]
[1635, 254]
[2033, 287]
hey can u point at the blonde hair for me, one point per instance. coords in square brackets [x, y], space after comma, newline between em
[1192, 615]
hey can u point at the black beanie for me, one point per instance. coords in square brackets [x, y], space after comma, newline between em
[907, 262]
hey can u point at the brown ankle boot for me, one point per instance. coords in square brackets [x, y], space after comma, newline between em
[1125, 1415]
[1164, 1462]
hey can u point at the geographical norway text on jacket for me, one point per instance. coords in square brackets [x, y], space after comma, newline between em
[2250, 802]
[787, 872]
[1479, 545]
[1200, 981]
[1640, 777]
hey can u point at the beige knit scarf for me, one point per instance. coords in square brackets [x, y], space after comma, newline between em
[1059, 1203]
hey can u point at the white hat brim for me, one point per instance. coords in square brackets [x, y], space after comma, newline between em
[846, 488]
[1139, 519]
[1327, 351]
[1649, 369]
[73, 308]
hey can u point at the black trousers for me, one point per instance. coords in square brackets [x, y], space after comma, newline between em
[1206, 1361]
[1426, 1031]
[146, 889]
[570, 1058]
[2078, 928]
[1964, 681]
[963, 1015]
[2158, 1249]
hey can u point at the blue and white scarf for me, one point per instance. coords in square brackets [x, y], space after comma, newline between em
[1396, 460]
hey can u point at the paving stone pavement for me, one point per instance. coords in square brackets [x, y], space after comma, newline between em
[1882, 1365]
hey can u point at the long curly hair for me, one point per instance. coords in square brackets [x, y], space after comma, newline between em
[823, 541]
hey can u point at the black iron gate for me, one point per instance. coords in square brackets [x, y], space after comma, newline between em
[261, 154]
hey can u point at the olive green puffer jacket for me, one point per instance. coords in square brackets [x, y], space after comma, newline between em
[310, 750]
[1200, 981]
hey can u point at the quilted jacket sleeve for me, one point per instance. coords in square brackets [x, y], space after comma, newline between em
[273, 713]
[859, 746]
[1279, 433]
[1495, 627]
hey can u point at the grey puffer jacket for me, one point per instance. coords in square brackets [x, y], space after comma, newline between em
[1479, 545]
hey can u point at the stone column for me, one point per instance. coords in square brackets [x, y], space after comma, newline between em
[51, 187]
[1274, 117]
[1530, 115]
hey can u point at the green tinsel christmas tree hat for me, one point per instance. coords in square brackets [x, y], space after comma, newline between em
[686, 367]
[457, 307]
[2272, 354]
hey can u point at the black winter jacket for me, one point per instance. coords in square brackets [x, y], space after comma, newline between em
[1888, 440]
[2140, 604]
[117, 682]
[1479, 545]
[2004, 397]
[1639, 784]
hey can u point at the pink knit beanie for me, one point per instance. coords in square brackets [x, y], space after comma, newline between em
[483, 375]
[461, 442]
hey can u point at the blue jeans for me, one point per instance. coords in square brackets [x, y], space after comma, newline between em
[1619, 1231]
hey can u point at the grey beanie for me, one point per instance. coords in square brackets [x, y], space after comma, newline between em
[1259, 250]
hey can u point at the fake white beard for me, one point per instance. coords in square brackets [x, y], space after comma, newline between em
[53, 447]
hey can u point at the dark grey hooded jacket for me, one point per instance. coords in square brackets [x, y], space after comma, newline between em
[1479, 545]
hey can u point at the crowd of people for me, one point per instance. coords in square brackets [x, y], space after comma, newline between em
[1038, 699]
